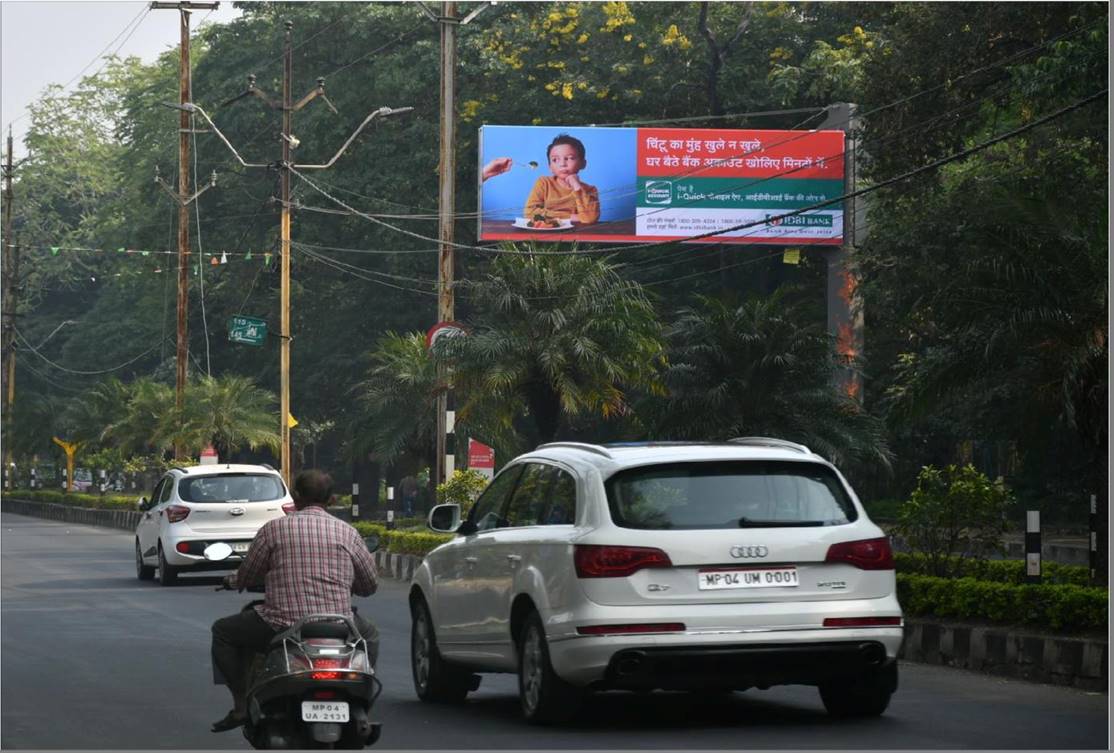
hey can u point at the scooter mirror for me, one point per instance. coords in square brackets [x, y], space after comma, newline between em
[372, 542]
[217, 552]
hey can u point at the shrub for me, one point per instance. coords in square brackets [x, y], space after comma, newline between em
[404, 542]
[462, 488]
[1001, 571]
[78, 499]
[1058, 607]
[957, 510]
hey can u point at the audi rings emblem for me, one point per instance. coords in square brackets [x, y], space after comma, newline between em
[749, 552]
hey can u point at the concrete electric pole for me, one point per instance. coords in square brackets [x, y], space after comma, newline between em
[447, 20]
[184, 132]
[289, 143]
[11, 293]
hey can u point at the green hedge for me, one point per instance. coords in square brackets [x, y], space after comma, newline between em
[403, 542]
[1071, 607]
[78, 499]
[998, 571]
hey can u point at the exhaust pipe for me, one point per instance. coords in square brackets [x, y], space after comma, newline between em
[628, 665]
[873, 655]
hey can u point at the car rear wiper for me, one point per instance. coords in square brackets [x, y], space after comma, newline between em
[748, 523]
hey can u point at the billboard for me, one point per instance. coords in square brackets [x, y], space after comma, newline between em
[637, 185]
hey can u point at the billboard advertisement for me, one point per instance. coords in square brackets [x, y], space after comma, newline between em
[637, 185]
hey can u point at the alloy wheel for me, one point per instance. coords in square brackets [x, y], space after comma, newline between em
[531, 668]
[419, 651]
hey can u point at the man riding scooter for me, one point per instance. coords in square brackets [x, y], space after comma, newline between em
[310, 563]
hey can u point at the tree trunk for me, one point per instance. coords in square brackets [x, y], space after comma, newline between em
[545, 408]
[366, 472]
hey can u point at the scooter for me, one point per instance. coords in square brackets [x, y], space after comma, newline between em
[315, 687]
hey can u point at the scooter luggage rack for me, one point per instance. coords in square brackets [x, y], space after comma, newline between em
[353, 629]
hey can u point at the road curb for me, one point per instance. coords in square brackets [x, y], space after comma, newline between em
[1059, 660]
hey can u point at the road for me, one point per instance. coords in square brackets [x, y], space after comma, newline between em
[95, 659]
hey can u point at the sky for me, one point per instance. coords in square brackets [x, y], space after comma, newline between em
[45, 42]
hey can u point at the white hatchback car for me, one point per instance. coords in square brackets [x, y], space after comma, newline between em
[193, 507]
[705, 567]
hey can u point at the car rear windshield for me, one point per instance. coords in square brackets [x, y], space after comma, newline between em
[734, 494]
[231, 487]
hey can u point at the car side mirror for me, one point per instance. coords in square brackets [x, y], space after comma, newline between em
[444, 518]
[141, 504]
[372, 542]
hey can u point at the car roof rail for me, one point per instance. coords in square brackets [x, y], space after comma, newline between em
[268, 466]
[593, 448]
[771, 442]
[178, 468]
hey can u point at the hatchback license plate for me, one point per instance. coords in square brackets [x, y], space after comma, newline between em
[767, 577]
[324, 711]
[241, 546]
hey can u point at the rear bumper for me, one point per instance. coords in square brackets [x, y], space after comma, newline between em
[740, 666]
[746, 642]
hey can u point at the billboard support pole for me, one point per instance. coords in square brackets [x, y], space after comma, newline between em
[844, 301]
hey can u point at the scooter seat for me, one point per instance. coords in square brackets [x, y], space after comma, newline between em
[325, 630]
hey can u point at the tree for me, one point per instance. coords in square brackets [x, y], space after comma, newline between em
[396, 401]
[954, 510]
[229, 412]
[554, 337]
[760, 368]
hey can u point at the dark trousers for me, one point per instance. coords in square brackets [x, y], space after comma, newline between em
[237, 638]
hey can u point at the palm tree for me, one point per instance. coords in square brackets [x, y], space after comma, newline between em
[87, 416]
[757, 369]
[397, 399]
[148, 422]
[554, 337]
[229, 412]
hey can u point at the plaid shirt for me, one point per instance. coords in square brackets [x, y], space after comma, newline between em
[310, 563]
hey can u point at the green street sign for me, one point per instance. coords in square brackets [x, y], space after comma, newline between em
[247, 330]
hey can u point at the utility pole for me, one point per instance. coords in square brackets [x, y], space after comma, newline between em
[184, 132]
[289, 143]
[448, 22]
[446, 211]
[11, 288]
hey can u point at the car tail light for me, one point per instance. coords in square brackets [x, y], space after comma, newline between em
[594, 561]
[651, 627]
[288, 507]
[868, 554]
[175, 513]
[862, 621]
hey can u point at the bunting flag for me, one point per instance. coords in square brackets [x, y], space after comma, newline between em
[215, 258]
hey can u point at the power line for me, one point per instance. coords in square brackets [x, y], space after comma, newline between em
[83, 373]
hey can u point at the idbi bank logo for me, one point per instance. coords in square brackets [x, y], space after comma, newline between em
[659, 192]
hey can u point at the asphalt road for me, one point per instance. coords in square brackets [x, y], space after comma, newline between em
[94, 659]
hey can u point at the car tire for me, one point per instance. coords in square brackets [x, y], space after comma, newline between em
[143, 572]
[543, 696]
[168, 574]
[866, 695]
[435, 680]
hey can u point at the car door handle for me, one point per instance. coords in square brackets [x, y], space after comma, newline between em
[514, 559]
[471, 560]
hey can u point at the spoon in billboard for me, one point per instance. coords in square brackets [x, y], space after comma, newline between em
[500, 165]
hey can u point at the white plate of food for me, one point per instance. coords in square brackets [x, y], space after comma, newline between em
[542, 224]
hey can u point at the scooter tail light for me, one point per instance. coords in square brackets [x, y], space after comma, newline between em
[324, 675]
[327, 663]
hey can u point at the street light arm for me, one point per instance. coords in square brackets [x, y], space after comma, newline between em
[382, 111]
[192, 108]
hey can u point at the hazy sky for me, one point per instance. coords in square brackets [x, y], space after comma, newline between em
[46, 42]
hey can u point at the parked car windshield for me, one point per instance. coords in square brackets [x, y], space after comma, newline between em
[231, 487]
[733, 494]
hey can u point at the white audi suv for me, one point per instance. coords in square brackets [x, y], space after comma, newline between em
[720, 567]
